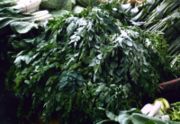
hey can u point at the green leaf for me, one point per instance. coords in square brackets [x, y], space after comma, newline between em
[23, 27]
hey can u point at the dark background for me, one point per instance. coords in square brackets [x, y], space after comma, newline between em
[8, 102]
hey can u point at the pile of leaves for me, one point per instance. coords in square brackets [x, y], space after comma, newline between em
[85, 62]
[164, 16]
[12, 23]
[155, 15]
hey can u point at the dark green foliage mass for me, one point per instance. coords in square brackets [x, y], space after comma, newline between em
[80, 64]
[85, 62]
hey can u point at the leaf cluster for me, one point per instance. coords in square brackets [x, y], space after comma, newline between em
[85, 62]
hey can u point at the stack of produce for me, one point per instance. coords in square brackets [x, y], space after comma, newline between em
[107, 57]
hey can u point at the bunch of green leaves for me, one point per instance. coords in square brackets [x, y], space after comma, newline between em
[164, 16]
[173, 52]
[7, 3]
[132, 116]
[174, 111]
[85, 62]
[12, 23]
[158, 14]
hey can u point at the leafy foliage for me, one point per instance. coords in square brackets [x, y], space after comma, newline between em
[157, 15]
[132, 116]
[174, 53]
[85, 62]
[164, 16]
[13, 21]
[174, 111]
